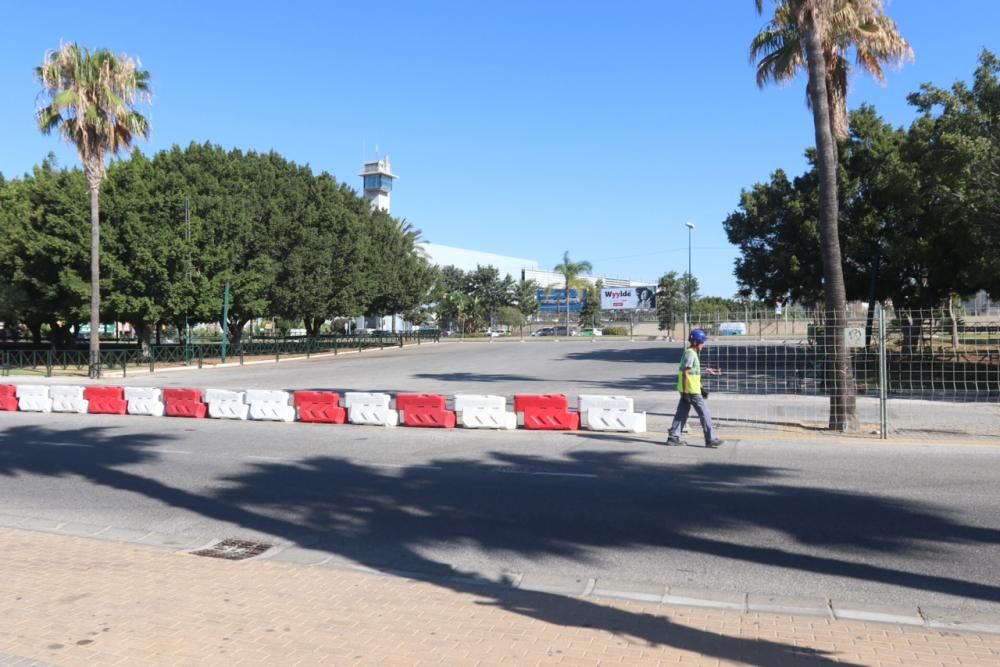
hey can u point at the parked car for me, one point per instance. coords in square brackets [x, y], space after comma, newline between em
[561, 331]
[591, 332]
[489, 333]
[545, 331]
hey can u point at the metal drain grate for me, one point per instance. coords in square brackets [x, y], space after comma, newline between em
[234, 549]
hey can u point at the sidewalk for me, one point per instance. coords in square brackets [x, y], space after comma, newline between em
[74, 601]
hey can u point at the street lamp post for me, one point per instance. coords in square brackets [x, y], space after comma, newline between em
[690, 278]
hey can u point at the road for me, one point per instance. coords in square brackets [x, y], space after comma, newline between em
[888, 524]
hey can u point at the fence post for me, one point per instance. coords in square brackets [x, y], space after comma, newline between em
[241, 353]
[152, 361]
[334, 346]
[883, 377]
[400, 340]
[48, 364]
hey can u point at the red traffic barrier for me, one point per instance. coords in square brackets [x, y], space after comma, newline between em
[319, 407]
[178, 394]
[8, 398]
[546, 412]
[551, 420]
[184, 403]
[522, 402]
[105, 400]
[424, 410]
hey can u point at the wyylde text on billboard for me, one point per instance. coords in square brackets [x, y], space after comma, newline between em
[628, 298]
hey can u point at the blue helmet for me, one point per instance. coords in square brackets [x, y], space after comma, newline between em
[697, 336]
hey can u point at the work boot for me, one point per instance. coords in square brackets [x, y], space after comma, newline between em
[674, 441]
[712, 444]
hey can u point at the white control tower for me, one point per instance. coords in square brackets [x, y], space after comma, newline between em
[378, 178]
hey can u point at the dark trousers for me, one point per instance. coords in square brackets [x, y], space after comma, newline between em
[684, 409]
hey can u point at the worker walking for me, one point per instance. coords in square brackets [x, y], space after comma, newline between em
[692, 393]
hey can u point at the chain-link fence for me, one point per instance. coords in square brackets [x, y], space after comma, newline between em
[913, 372]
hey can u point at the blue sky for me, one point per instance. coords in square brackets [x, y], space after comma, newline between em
[520, 128]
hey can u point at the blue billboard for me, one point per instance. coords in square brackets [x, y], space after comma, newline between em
[555, 300]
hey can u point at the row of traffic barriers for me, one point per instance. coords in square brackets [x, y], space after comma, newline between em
[549, 412]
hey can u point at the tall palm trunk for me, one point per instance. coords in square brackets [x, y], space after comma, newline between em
[843, 408]
[95, 276]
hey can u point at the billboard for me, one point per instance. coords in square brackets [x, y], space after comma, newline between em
[628, 298]
[555, 300]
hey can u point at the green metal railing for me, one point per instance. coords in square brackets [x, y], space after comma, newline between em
[199, 352]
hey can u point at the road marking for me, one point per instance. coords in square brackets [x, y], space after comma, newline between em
[173, 451]
[508, 471]
[270, 458]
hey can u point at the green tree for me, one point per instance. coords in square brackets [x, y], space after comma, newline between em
[590, 313]
[959, 131]
[526, 299]
[671, 300]
[570, 271]
[45, 220]
[492, 292]
[90, 99]
[901, 241]
[511, 317]
[403, 276]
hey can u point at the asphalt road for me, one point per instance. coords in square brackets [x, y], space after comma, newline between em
[872, 523]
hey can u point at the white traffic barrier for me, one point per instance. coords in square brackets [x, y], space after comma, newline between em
[605, 419]
[226, 404]
[370, 408]
[483, 411]
[144, 401]
[33, 398]
[270, 405]
[610, 413]
[66, 398]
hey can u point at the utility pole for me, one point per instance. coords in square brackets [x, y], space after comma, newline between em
[690, 277]
[187, 238]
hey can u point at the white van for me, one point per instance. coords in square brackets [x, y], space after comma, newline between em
[732, 329]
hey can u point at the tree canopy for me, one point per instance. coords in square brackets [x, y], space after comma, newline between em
[290, 244]
[917, 204]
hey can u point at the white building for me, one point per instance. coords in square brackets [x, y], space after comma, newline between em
[468, 260]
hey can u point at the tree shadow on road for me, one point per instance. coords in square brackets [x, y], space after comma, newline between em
[388, 519]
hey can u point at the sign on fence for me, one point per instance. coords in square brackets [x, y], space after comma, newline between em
[854, 336]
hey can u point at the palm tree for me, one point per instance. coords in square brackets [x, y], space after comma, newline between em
[812, 21]
[779, 50]
[570, 271]
[90, 97]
